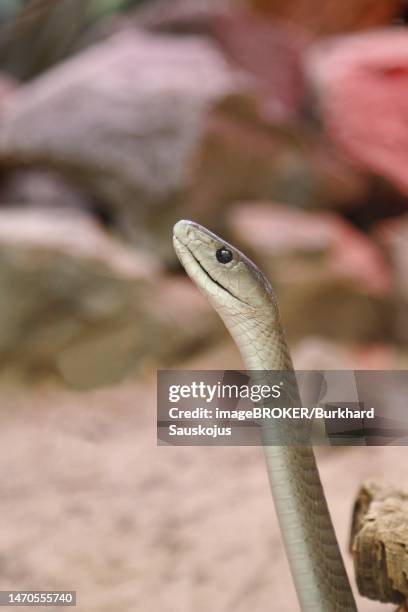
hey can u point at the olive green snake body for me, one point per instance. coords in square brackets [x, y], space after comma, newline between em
[245, 300]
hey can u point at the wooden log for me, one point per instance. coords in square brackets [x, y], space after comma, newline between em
[379, 542]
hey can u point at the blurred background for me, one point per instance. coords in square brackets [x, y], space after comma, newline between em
[283, 126]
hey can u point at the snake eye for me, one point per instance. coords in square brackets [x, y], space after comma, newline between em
[224, 255]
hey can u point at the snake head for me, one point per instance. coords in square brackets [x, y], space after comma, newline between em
[225, 275]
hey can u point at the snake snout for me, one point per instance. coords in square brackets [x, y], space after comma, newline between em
[191, 233]
[182, 230]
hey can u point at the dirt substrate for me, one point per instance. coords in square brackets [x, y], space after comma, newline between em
[89, 502]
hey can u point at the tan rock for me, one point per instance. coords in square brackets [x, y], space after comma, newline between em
[393, 236]
[78, 302]
[172, 322]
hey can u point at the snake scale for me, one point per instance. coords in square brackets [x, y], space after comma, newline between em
[244, 299]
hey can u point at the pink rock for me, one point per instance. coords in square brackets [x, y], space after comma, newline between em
[251, 42]
[362, 81]
[355, 255]
[280, 230]
[122, 120]
[375, 357]
[248, 41]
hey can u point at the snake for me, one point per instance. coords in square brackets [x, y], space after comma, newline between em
[244, 299]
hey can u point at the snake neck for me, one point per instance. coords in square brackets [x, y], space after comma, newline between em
[260, 339]
[314, 556]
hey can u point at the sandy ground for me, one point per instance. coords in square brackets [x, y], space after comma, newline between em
[89, 502]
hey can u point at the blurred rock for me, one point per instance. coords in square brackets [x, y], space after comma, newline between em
[122, 120]
[318, 353]
[377, 357]
[330, 280]
[41, 189]
[323, 18]
[42, 33]
[155, 128]
[298, 167]
[361, 83]
[243, 158]
[162, 13]
[248, 41]
[167, 324]
[182, 320]
[393, 236]
[78, 302]
[7, 86]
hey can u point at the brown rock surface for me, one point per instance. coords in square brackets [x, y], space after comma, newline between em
[7, 86]
[76, 301]
[323, 18]
[393, 236]
[245, 158]
[161, 13]
[329, 278]
[362, 85]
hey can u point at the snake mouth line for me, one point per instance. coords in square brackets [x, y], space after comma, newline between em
[211, 278]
